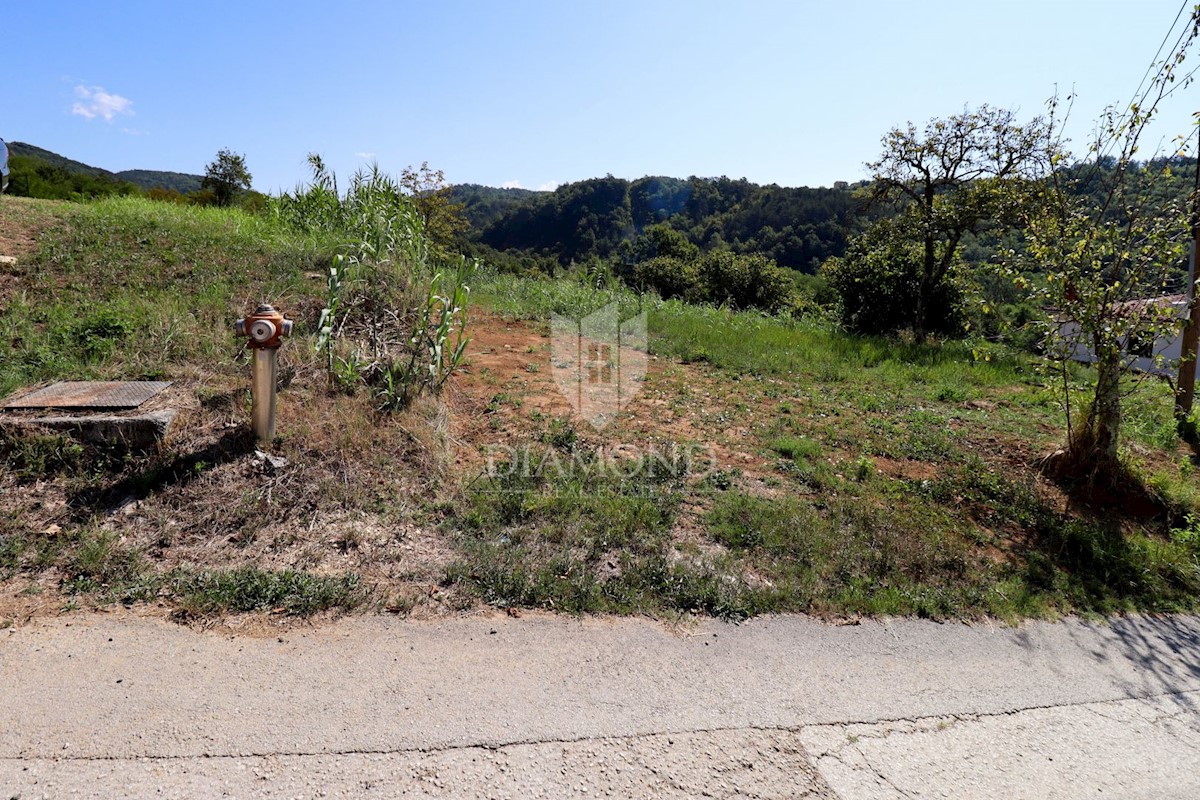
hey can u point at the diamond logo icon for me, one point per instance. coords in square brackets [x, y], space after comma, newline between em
[599, 361]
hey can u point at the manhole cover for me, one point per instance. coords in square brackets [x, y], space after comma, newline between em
[91, 394]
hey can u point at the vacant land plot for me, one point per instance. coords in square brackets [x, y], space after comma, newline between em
[820, 472]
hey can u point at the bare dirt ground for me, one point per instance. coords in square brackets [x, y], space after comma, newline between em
[507, 393]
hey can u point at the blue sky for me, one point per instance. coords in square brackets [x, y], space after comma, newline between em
[536, 93]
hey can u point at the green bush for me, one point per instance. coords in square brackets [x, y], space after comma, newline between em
[670, 277]
[878, 283]
[749, 281]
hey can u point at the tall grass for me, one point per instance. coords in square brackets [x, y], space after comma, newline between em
[392, 320]
[748, 341]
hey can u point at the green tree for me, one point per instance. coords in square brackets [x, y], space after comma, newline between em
[950, 179]
[878, 283]
[442, 215]
[663, 241]
[1103, 258]
[226, 177]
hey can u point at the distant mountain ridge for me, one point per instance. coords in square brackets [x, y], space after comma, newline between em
[33, 151]
[145, 178]
[181, 182]
[483, 205]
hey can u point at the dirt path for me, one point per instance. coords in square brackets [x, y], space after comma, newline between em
[549, 707]
[507, 394]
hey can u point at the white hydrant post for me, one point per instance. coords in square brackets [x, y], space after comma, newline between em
[265, 328]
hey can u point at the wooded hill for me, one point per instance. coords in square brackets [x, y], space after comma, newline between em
[602, 217]
[798, 227]
[607, 218]
[38, 172]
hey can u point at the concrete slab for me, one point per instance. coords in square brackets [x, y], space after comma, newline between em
[1135, 748]
[138, 432]
[727, 764]
[492, 707]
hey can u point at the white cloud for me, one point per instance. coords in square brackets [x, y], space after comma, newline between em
[549, 186]
[95, 102]
[511, 185]
[365, 156]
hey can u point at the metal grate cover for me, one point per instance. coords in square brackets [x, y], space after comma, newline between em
[90, 394]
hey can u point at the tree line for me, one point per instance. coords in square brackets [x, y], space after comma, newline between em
[42, 174]
[798, 228]
[807, 230]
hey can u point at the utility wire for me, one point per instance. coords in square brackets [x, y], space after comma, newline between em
[1158, 52]
[1140, 101]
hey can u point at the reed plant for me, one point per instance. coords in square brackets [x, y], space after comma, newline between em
[393, 320]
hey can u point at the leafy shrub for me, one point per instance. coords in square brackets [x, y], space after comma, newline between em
[720, 278]
[815, 291]
[878, 296]
[878, 282]
[163, 195]
[750, 281]
[671, 277]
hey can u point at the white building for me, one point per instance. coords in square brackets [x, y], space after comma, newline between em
[1160, 357]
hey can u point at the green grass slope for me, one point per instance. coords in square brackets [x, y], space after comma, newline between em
[853, 475]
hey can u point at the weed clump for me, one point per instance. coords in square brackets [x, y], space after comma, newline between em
[252, 589]
[32, 455]
[392, 320]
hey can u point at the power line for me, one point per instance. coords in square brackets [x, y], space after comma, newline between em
[1158, 52]
[1139, 101]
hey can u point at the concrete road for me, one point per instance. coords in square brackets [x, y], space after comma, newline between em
[551, 707]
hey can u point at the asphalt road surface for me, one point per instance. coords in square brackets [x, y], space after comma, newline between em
[542, 706]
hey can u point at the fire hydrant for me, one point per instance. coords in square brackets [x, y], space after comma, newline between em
[265, 328]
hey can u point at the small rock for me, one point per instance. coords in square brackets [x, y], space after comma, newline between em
[271, 464]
